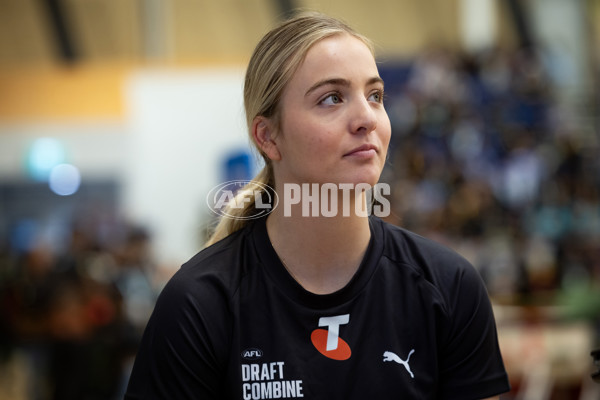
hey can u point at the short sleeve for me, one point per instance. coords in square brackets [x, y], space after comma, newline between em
[471, 364]
[181, 354]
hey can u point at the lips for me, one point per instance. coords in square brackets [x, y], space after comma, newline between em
[364, 149]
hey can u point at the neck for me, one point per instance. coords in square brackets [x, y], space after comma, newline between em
[321, 253]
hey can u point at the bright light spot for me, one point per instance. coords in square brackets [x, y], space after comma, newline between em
[64, 179]
[44, 154]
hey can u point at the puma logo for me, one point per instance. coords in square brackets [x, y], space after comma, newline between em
[389, 356]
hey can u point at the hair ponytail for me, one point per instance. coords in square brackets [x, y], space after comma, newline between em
[236, 218]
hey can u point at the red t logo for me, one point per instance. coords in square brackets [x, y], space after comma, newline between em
[328, 342]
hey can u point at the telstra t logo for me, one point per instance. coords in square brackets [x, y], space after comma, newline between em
[328, 341]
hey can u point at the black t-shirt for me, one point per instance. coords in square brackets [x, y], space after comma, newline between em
[415, 322]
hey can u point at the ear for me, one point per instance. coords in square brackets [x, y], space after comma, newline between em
[264, 135]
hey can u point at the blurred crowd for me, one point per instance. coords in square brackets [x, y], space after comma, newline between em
[483, 158]
[488, 159]
[70, 323]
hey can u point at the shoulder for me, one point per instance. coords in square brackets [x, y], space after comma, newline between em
[199, 297]
[446, 271]
[470, 362]
[431, 259]
[210, 278]
[225, 260]
[188, 337]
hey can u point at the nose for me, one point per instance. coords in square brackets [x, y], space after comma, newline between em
[363, 117]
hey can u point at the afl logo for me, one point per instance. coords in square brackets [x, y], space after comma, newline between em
[223, 199]
[252, 354]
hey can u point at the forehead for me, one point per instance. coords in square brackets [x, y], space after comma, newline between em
[338, 56]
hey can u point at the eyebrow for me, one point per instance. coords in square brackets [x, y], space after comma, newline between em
[340, 82]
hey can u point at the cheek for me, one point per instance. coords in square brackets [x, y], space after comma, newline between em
[318, 143]
[385, 133]
[311, 139]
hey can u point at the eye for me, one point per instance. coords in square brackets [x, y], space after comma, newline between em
[331, 99]
[377, 96]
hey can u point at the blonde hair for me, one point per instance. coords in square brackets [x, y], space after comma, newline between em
[272, 65]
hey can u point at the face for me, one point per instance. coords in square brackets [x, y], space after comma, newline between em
[333, 126]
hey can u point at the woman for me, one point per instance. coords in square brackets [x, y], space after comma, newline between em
[297, 304]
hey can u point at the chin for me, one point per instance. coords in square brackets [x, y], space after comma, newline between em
[369, 179]
[362, 177]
